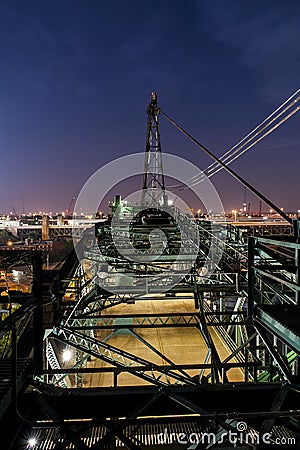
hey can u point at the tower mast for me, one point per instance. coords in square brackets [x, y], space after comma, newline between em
[153, 194]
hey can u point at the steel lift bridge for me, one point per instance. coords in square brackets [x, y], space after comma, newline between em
[136, 362]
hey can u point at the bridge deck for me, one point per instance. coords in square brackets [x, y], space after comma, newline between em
[181, 345]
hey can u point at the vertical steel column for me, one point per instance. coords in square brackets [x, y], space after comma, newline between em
[38, 330]
[297, 265]
[251, 275]
[203, 328]
[296, 230]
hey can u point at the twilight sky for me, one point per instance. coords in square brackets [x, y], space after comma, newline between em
[76, 78]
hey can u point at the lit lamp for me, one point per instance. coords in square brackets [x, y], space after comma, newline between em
[32, 442]
[66, 355]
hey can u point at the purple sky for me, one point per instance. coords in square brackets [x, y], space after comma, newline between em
[76, 78]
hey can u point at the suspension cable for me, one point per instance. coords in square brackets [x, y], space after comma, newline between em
[229, 170]
[217, 168]
[239, 149]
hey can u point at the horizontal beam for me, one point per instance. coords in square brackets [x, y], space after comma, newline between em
[150, 367]
[278, 329]
[277, 242]
[119, 402]
[182, 288]
[154, 325]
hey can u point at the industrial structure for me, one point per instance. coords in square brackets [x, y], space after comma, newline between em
[111, 352]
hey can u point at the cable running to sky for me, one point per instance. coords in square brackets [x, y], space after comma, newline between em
[266, 127]
[229, 170]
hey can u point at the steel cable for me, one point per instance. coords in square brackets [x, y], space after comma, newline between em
[239, 149]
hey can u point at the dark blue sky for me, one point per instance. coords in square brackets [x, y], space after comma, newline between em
[76, 78]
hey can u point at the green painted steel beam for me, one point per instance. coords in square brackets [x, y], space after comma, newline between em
[288, 336]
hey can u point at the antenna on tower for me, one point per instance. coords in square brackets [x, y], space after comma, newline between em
[153, 194]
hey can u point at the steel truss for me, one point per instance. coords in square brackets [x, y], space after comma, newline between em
[251, 302]
[183, 409]
[274, 302]
[232, 324]
[212, 311]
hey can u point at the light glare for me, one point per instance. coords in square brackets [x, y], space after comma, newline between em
[67, 355]
[32, 442]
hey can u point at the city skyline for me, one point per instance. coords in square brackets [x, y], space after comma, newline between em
[76, 79]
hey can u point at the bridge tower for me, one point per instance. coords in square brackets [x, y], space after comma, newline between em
[153, 194]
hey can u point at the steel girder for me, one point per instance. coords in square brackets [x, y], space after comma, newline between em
[260, 406]
[119, 358]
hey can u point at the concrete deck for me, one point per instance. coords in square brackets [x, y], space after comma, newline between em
[180, 345]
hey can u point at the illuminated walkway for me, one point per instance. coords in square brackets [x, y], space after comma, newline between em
[182, 345]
